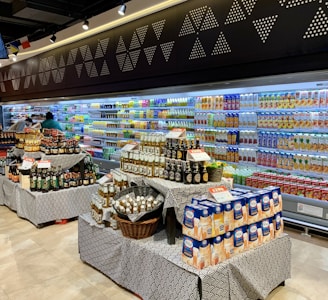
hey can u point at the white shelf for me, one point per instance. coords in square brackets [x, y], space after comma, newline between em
[111, 138]
[107, 120]
[140, 108]
[224, 128]
[296, 172]
[294, 130]
[315, 153]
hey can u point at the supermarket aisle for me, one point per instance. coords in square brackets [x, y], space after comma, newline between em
[44, 264]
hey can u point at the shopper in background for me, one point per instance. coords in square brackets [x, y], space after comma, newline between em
[50, 123]
[20, 125]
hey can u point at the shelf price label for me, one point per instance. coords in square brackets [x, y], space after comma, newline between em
[105, 178]
[176, 133]
[221, 194]
[44, 164]
[130, 146]
[197, 155]
[27, 163]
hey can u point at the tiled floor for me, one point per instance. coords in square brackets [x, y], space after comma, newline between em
[44, 263]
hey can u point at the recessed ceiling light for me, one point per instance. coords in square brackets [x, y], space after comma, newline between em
[53, 39]
[122, 9]
[85, 25]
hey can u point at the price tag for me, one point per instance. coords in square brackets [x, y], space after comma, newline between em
[105, 178]
[221, 194]
[176, 133]
[44, 164]
[197, 155]
[27, 163]
[129, 147]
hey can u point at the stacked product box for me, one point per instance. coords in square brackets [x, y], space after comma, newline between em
[293, 185]
[214, 232]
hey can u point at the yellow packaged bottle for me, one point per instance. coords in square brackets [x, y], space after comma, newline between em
[217, 216]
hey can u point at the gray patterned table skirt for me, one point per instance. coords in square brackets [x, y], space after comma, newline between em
[154, 270]
[40, 208]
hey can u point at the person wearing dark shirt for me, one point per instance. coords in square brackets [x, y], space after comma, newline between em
[50, 123]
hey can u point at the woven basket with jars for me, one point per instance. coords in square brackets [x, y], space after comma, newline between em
[139, 210]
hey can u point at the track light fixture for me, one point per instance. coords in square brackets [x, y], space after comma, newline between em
[53, 38]
[122, 9]
[85, 25]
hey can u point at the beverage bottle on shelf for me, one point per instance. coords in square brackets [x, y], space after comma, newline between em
[163, 145]
[39, 180]
[169, 149]
[178, 172]
[204, 174]
[92, 174]
[172, 170]
[60, 177]
[162, 167]
[185, 149]
[85, 177]
[167, 169]
[156, 166]
[187, 176]
[54, 179]
[45, 181]
[174, 151]
[197, 146]
[141, 163]
[180, 150]
[196, 178]
[33, 179]
[150, 166]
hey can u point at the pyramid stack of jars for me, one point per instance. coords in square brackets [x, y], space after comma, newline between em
[54, 142]
[165, 158]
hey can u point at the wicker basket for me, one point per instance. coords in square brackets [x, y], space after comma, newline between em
[142, 190]
[138, 230]
[215, 174]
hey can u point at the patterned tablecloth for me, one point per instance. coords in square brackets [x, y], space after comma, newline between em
[154, 270]
[40, 208]
[8, 193]
[177, 195]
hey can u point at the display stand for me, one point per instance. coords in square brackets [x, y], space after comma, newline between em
[40, 208]
[66, 161]
[154, 270]
[177, 196]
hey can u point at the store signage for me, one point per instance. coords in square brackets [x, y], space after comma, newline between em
[44, 164]
[130, 146]
[221, 194]
[27, 163]
[197, 155]
[176, 133]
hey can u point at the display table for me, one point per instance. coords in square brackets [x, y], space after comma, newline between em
[40, 208]
[154, 270]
